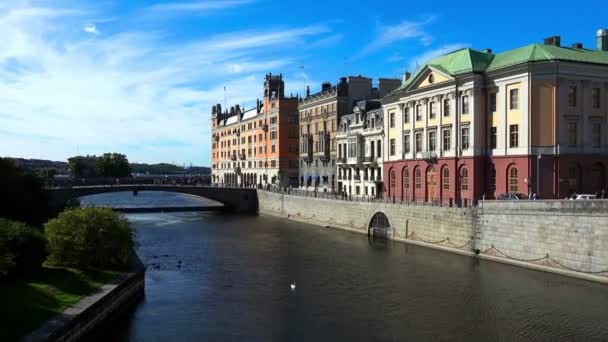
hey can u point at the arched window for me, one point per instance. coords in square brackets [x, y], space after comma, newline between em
[446, 178]
[464, 179]
[393, 179]
[513, 182]
[492, 182]
[406, 178]
[418, 178]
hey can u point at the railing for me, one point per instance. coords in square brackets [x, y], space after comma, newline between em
[373, 129]
[341, 160]
[369, 159]
[233, 157]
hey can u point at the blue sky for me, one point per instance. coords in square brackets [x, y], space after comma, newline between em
[140, 77]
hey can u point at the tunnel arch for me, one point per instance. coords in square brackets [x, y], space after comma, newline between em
[379, 225]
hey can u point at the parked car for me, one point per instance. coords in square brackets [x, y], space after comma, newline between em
[511, 196]
[583, 197]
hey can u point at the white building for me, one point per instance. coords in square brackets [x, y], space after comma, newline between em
[359, 140]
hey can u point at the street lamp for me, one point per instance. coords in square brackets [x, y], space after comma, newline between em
[538, 175]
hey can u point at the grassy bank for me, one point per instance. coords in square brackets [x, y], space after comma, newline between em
[29, 302]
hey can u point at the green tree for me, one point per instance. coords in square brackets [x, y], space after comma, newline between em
[83, 167]
[7, 262]
[89, 238]
[23, 194]
[26, 244]
[113, 165]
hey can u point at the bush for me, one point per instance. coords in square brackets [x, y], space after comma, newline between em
[89, 238]
[7, 262]
[26, 245]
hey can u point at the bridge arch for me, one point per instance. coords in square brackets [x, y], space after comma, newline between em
[234, 199]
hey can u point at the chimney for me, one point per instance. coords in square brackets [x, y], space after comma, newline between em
[325, 86]
[554, 40]
[487, 50]
[577, 45]
[602, 40]
[406, 76]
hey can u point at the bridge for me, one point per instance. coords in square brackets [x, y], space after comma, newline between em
[238, 200]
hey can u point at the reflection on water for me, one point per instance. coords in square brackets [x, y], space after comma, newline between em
[145, 199]
[219, 277]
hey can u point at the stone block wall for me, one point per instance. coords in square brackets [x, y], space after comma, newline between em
[566, 237]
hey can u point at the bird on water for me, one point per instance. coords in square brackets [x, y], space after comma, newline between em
[293, 286]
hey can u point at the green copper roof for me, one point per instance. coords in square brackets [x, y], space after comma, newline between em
[538, 52]
[466, 61]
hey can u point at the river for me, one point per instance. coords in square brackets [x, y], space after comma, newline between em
[218, 277]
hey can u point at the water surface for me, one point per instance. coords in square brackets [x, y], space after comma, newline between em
[219, 277]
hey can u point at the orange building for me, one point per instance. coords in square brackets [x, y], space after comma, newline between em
[257, 146]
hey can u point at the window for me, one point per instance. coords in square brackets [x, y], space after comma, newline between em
[446, 107]
[418, 112]
[446, 179]
[513, 183]
[572, 96]
[272, 149]
[464, 179]
[392, 119]
[406, 114]
[572, 134]
[392, 180]
[513, 136]
[464, 132]
[493, 102]
[406, 143]
[595, 98]
[432, 141]
[392, 147]
[597, 134]
[273, 163]
[379, 149]
[465, 105]
[432, 110]
[447, 139]
[513, 98]
[406, 178]
[418, 146]
[493, 133]
[417, 178]
[492, 182]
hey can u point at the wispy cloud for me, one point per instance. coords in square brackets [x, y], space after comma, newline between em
[388, 35]
[421, 59]
[90, 28]
[132, 88]
[197, 6]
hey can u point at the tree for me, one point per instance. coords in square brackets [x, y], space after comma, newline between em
[113, 165]
[25, 198]
[7, 262]
[89, 238]
[83, 167]
[26, 245]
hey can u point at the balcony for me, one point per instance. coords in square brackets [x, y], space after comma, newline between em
[357, 178]
[242, 156]
[430, 156]
[233, 157]
[341, 160]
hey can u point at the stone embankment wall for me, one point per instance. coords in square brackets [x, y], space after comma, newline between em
[566, 237]
[80, 320]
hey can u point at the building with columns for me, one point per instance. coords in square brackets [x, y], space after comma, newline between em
[257, 146]
[360, 148]
[472, 124]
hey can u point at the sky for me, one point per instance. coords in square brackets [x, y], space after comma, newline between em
[139, 77]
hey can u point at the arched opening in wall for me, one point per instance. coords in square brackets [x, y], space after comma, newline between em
[574, 178]
[392, 183]
[405, 181]
[445, 182]
[379, 226]
[431, 184]
[492, 183]
[417, 181]
[513, 178]
[598, 177]
[464, 181]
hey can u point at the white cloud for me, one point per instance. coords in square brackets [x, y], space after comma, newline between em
[90, 28]
[130, 92]
[388, 35]
[420, 60]
[197, 6]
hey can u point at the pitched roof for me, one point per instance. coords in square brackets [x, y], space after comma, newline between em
[466, 60]
[538, 53]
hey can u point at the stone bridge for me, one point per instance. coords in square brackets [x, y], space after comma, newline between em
[237, 200]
